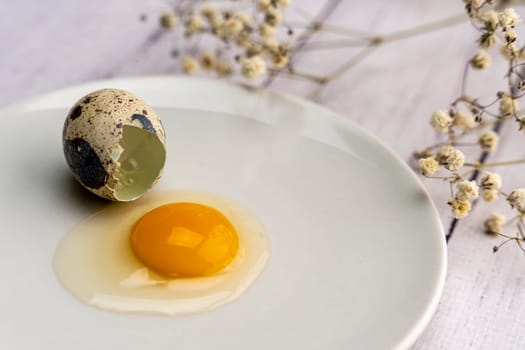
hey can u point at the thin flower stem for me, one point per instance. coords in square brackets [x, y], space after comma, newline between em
[521, 228]
[509, 239]
[360, 56]
[518, 241]
[364, 39]
[464, 78]
[473, 103]
[335, 44]
[298, 75]
[317, 78]
[451, 143]
[490, 104]
[506, 236]
[448, 178]
[303, 39]
[426, 28]
[372, 42]
[511, 220]
[496, 164]
[466, 173]
[348, 31]
[330, 28]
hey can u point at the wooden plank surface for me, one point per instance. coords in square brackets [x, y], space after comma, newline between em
[51, 44]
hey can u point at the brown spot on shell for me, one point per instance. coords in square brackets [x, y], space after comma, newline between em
[75, 112]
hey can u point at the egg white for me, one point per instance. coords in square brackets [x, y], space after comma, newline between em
[94, 261]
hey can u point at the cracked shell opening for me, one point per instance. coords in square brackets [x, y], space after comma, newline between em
[141, 162]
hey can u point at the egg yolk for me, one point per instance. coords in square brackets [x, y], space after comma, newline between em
[184, 239]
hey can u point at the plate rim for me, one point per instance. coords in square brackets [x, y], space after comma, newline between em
[425, 315]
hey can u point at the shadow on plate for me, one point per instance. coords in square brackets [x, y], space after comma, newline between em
[74, 192]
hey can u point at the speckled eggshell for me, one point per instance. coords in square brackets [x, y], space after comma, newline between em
[92, 131]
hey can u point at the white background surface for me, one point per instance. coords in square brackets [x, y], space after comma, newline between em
[51, 44]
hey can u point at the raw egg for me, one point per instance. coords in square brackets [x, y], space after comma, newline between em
[171, 253]
[114, 144]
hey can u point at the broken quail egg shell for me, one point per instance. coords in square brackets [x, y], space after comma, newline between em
[114, 144]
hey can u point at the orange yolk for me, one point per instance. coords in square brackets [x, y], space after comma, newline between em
[184, 239]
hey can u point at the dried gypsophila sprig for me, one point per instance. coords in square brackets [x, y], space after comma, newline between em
[245, 39]
[265, 32]
[279, 62]
[466, 116]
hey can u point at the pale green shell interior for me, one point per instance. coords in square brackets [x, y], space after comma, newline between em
[141, 162]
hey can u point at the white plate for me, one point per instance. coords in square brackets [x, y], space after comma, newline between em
[358, 257]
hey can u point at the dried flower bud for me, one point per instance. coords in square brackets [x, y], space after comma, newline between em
[279, 61]
[474, 4]
[508, 18]
[460, 208]
[194, 25]
[490, 20]
[516, 200]
[207, 61]
[243, 40]
[491, 181]
[510, 51]
[223, 69]
[246, 19]
[421, 154]
[253, 67]
[441, 121]
[216, 24]
[428, 166]
[521, 123]
[464, 121]
[510, 36]
[488, 141]
[271, 44]
[455, 160]
[264, 5]
[253, 50]
[507, 106]
[481, 60]
[487, 40]
[443, 154]
[489, 196]
[231, 28]
[227, 14]
[283, 3]
[279, 56]
[273, 18]
[467, 190]
[189, 65]
[168, 21]
[266, 30]
[209, 11]
[493, 224]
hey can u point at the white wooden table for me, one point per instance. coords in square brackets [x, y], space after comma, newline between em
[45, 45]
